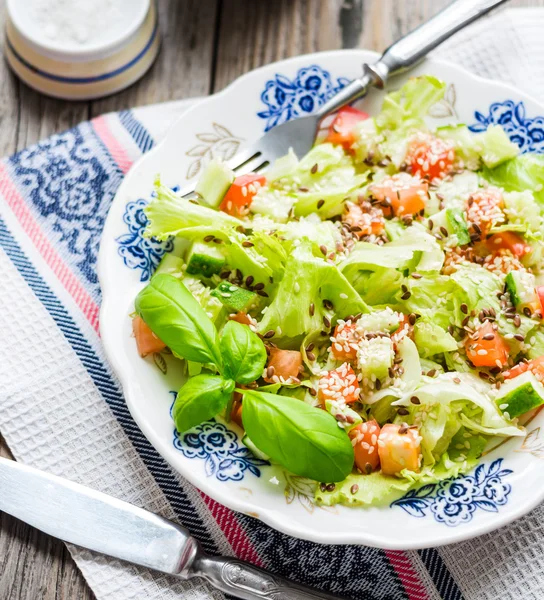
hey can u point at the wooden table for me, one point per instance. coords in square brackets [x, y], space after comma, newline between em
[206, 44]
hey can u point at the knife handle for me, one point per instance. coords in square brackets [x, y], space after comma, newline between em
[246, 581]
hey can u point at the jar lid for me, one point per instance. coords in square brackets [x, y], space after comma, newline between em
[77, 30]
[81, 55]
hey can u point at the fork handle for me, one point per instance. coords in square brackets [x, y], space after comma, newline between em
[411, 49]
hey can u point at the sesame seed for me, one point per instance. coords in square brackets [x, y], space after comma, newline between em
[328, 304]
[405, 296]
[403, 411]
[320, 203]
[456, 380]
[217, 241]
[259, 286]
[331, 487]
[488, 336]
[354, 488]
[311, 309]
[444, 231]
[209, 238]
[415, 400]
[269, 334]
[326, 322]
[262, 293]
[417, 276]
[412, 319]
[248, 244]
[311, 356]
[464, 308]
[312, 391]
[323, 250]
[313, 170]
[519, 337]
[270, 372]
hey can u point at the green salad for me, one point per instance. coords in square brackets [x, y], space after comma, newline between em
[369, 314]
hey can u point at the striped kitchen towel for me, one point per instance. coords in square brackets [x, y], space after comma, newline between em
[62, 408]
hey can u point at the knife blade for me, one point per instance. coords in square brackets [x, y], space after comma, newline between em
[85, 517]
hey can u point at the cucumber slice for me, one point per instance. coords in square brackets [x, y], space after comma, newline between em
[170, 264]
[375, 357]
[520, 395]
[214, 183]
[204, 259]
[521, 287]
[233, 297]
[381, 320]
[495, 147]
[253, 449]
[454, 222]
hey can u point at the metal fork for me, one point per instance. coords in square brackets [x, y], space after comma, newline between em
[299, 134]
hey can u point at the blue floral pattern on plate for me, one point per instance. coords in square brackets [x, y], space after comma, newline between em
[218, 446]
[286, 99]
[527, 133]
[137, 251]
[454, 501]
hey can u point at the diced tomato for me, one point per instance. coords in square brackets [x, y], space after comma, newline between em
[284, 363]
[341, 129]
[364, 438]
[508, 240]
[489, 349]
[398, 448]
[345, 341]
[363, 222]
[239, 196]
[339, 384]
[536, 366]
[540, 294]
[146, 340]
[484, 208]
[406, 194]
[430, 157]
[242, 318]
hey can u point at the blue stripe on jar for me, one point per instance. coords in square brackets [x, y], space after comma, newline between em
[86, 80]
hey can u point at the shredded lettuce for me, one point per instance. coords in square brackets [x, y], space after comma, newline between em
[432, 339]
[406, 108]
[413, 249]
[525, 172]
[308, 280]
[169, 214]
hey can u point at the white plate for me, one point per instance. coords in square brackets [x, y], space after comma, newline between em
[510, 480]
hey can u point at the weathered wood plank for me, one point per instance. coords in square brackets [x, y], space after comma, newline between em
[34, 565]
[184, 65]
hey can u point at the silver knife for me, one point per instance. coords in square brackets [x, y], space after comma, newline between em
[90, 519]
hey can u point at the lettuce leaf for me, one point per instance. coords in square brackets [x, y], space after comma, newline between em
[377, 489]
[308, 280]
[413, 249]
[169, 214]
[525, 172]
[406, 108]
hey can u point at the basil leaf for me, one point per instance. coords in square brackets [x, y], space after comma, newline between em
[305, 440]
[200, 399]
[173, 314]
[243, 353]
